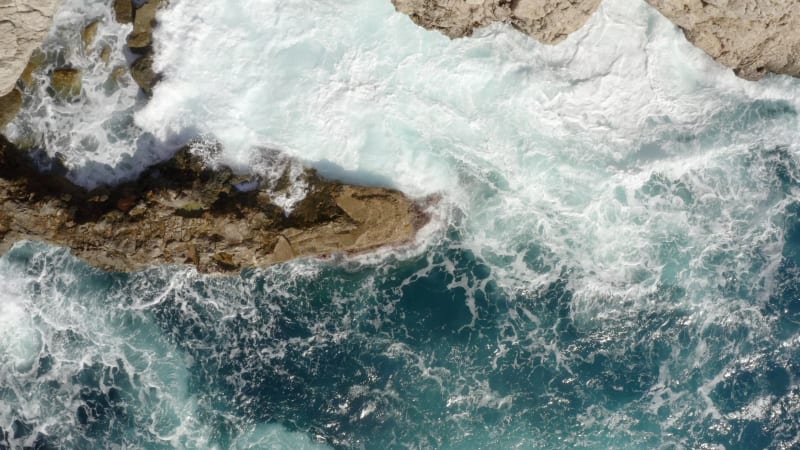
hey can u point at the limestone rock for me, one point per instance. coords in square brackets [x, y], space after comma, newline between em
[753, 37]
[143, 75]
[10, 104]
[23, 26]
[182, 212]
[549, 21]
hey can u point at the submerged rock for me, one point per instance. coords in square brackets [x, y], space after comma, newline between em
[183, 212]
[143, 75]
[123, 11]
[141, 38]
[549, 21]
[753, 37]
[89, 33]
[10, 104]
[23, 26]
[66, 82]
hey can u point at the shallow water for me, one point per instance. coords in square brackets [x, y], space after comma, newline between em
[613, 263]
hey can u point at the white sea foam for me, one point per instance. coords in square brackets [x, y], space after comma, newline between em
[587, 149]
[93, 132]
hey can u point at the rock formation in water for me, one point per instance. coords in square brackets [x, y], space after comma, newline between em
[753, 37]
[549, 21]
[184, 212]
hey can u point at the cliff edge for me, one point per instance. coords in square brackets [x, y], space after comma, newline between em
[549, 21]
[753, 37]
[23, 26]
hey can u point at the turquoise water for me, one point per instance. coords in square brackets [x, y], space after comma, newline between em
[613, 262]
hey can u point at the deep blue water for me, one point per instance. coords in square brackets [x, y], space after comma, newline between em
[391, 356]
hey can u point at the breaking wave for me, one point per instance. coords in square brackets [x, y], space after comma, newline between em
[614, 263]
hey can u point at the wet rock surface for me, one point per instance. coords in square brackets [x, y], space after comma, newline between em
[185, 212]
[10, 104]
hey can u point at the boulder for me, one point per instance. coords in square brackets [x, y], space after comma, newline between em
[143, 75]
[123, 11]
[89, 33]
[66, 82]
[10, 104]
[141, 38]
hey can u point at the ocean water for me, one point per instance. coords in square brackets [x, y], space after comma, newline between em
[614, 261]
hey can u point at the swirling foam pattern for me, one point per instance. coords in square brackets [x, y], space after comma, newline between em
[614, 264]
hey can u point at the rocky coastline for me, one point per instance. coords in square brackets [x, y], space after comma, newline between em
[184, 211]
[752, 37]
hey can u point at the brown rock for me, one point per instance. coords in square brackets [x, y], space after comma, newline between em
[105, 54]
[235, 230]
[10, 104]
[38, 58]
[141, 38]
[89, 33]
[123, 11]
[143, 75]
[549, 21]
[66, 82]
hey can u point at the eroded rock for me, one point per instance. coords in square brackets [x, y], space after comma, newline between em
[753, 37]
[549, 21]
[23, 26]
[141, 38]
[183, 212]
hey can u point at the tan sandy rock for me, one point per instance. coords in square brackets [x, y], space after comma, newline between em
[23, 26]
[753, 37]
[549, 21]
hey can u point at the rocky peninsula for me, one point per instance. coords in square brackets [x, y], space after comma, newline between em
[184, 212]
[753, 37]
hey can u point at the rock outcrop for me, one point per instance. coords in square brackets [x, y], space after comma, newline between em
[140, 40]
[23, 26]
[549, 21]
[753, 37]
[183, 212]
